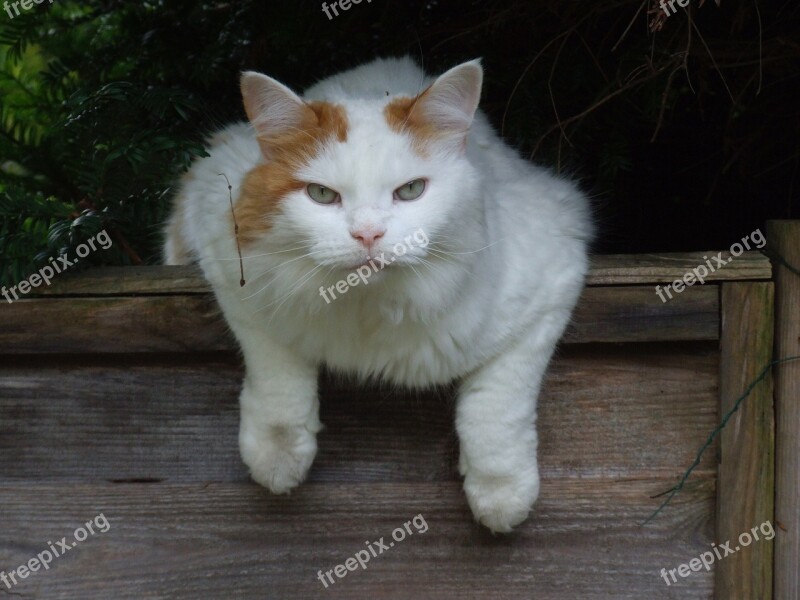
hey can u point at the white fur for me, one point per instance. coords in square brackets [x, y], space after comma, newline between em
[484, 303]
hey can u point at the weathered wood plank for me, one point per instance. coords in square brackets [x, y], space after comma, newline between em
[584, 540]
[163, 421]
[746, 483]
[636, 314]
[193, 323]
[784, 236]
[610, 269]
[128, 281]
[114, 325]
[616, 269]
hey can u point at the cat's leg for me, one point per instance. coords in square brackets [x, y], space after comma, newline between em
[279, 412]
[496, 424]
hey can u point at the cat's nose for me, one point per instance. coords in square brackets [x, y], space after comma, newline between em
[368, 235]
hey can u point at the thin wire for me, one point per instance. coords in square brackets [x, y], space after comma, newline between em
[773, 254]
[674, 491]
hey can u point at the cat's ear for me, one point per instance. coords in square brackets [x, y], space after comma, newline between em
[449, 104]
[272, 108]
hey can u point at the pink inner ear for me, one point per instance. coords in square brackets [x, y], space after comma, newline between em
[271, 107]
[450, 103]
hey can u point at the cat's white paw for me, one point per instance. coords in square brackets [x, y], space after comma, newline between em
[278, 456]
[500, 502]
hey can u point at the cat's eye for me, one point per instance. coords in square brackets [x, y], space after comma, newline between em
[411, 190]
[321, 194]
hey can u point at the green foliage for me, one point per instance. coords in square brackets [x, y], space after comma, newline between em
[91, 136]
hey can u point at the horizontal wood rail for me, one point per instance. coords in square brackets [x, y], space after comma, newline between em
[171, 309]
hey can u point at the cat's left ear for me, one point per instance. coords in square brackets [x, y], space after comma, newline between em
[450, 103]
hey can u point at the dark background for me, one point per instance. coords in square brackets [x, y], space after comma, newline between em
[683, 129]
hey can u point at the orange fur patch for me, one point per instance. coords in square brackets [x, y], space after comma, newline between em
[402, 117]
[288, 151]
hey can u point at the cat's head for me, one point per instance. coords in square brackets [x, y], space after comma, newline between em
[345, 182]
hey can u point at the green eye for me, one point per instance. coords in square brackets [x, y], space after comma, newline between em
[320, 193]
[411, 190]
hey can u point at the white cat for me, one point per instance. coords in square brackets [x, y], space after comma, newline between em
[366, 166]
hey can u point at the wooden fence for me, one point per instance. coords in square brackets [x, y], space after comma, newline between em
[118, 395]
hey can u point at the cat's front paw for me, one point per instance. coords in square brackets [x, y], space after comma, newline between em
[278, 456]
[500, 502]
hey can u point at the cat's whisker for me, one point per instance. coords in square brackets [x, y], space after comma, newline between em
[445, 258]
[266, 253]
[286, 262]
[438, 253]
[431, 265]
[470, 273]
[283, 264]
[291, 293]
[469, 252]
[417, 273]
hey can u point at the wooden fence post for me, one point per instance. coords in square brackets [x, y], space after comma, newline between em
[746, 484]
[784, 238]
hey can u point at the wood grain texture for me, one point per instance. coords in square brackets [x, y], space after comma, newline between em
[167, 422]
[617, 269]
[226, 540]
[128, 281]
[118, 394]
[610, 269]
[193, 323]
[145, 324]
[745, 493]
[636, 314]
[784, 236]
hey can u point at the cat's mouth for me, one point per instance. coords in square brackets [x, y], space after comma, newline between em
[364, 264]
[374, 263]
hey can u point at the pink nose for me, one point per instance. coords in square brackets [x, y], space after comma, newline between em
[368, 236]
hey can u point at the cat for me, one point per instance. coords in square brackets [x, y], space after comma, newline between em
[368, 162]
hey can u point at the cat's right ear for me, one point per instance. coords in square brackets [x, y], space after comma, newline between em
[272, 108]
